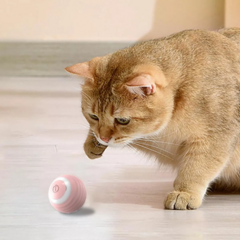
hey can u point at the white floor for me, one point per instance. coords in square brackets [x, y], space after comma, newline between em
[41, 136]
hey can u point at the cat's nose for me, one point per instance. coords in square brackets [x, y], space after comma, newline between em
[105, 139]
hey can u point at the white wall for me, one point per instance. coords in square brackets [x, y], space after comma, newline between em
[104, 20]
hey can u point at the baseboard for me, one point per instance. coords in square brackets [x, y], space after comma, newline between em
[49, 59]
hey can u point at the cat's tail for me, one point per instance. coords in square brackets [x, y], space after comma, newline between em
[232, 33]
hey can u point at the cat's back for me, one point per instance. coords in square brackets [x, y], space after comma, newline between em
[222, 42]
[195, 54]
[191, 45]
[231, 33]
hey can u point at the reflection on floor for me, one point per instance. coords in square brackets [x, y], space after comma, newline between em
[41, 136]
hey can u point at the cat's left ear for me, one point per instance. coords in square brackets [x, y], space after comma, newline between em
[142, 85]
[85, 69]
[146, 81]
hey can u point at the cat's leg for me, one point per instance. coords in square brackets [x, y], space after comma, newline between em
[93, 148]
[229, 179]
[201, 163]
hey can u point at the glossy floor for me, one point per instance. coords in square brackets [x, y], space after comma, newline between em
[41, 136]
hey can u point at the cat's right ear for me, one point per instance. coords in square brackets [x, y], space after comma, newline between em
[80, 69]
[85, 69]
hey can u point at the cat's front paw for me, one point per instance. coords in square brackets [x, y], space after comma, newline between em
[93, 148]
[182, 201]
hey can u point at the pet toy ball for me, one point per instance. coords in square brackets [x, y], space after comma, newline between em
[67, 194]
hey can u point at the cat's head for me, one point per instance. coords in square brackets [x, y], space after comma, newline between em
[123, 99]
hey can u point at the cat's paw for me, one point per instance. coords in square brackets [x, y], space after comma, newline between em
[93, 148]
[182, 201]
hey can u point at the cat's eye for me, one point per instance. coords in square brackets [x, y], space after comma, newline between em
[95, 117]
[123, 121]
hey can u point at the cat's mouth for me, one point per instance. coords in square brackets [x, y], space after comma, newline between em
[102, 143]
[114, 142]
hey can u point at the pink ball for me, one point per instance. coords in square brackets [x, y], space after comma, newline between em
[67, 194]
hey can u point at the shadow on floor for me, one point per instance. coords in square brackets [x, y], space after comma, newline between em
[142, 193]
[84, 211]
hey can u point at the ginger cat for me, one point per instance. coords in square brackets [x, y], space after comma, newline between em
[175, 98]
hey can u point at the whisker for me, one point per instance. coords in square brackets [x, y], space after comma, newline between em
[158, 148]
[85, 95]
[156, 141]
[152, 150]
[156, 138]
[91, 133]
[170, 133]
[164, 135]
[131, 147]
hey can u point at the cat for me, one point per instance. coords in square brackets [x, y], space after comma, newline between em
[175, 98]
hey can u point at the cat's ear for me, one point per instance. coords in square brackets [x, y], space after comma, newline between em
[147, 78]
[80, 69]
[141, 85]
[85, 69]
